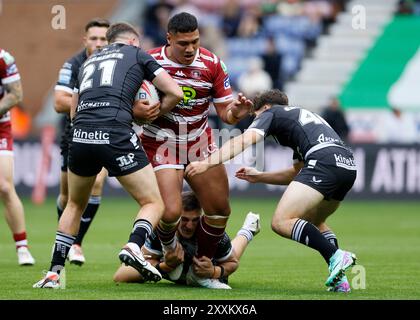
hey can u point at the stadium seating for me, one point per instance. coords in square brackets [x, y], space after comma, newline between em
[337, 54]
[290, 35]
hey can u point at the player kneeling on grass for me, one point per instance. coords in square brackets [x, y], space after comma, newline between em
[323, 173]
[216, 271]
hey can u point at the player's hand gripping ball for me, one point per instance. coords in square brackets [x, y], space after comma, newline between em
[147, 104]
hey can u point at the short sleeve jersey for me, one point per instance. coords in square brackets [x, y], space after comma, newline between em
[8, 73]
[297, 128]
[67, 78]
[108, 82]
[69, 72]
[204, 81]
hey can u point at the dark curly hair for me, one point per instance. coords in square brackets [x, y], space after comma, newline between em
[190, 201]
[97, 22]
[118, 29]
[182, 22]
[273, 96]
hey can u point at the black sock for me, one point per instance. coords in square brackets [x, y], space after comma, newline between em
[59, 209]
[331, 237]
[141, 231]
[62, 245]
[87, 217]
[306, 233]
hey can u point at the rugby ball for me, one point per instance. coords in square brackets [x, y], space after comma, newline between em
[149, 92]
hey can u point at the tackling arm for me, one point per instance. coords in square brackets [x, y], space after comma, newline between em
[172, 92]
[229, 150]
[234, 111]
[281, 177]
[228, 266]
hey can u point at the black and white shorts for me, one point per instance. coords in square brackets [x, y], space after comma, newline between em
[116, 148]
[331, 171]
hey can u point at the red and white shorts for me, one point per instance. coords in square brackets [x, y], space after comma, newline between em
[165, 154]
[6, 139]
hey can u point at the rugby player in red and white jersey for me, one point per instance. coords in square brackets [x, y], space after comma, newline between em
[10, 95]
[183, 134]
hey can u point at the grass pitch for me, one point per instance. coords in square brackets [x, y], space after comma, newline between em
[384, 235]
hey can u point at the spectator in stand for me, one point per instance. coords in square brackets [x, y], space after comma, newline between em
[417, 7]
[320, 11]
[250, 23]
[155, 18]
[290, 8]
[254, 80]
[186, 6]
[214, 39]
[272, 63]
[408, 7]
[336, 119]
[405, 7]
[231, 18]
[398, 127]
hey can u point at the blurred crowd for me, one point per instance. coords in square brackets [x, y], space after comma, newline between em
[408, 7]
[276, 33]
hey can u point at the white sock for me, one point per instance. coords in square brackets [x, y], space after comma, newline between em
[246, 233]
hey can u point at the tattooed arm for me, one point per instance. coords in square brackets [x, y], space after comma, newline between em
[12, 96]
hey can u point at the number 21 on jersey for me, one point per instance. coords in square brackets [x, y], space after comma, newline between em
[107, 67]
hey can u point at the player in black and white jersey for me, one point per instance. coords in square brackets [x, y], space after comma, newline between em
[102, 136]
[323, 172]
[95, 38]
[215, 270]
